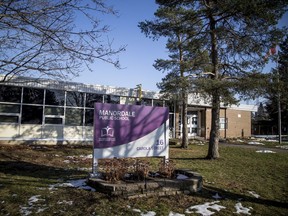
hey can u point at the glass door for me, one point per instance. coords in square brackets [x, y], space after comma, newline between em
[192, 123]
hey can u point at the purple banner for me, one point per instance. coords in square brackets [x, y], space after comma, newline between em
[117, 124]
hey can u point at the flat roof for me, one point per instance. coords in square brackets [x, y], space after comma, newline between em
[80, 87]
[193, 99]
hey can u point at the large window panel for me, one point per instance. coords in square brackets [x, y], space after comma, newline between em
[89, 117]
[158, 103]
[10, 94]
[170, 105]
[32, 114]
[74, 117]
[146, 102]
[52, 120]
[9, 108]
[223, 123]
[128, 100]
[93, 98]
[33, 96]
[75, 99]
[113, 99]
[56, 111]
[55, 97]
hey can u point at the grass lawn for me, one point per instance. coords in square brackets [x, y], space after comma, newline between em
[33, 180]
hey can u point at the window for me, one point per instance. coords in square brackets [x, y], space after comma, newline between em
[93, 98]
[32, 114]
[89, 117]
[33, 96]
[52, 120]
[75, 99]
[58, 111]
[128, 100]
[8, 119]
[10, 113]
[170, 105]
[55, 97]
[112, 99]
[9, 108]
[74, 117]
[171, 120]
[223, 123]
[10, 94]
[146, 102]
[54, 115]
[157, 103]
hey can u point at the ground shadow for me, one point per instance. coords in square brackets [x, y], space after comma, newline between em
[190, 159]
[210, 191]
[22, 168]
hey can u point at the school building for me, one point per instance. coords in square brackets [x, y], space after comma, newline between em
[50, 111]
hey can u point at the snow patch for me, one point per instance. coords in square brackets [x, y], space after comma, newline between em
[255, 143]
[283, 147]
[242, 210]
[175, 214]
[79, 183]
[136, 210]
[65, 202]
[253, 193]
[265, 151]
[33, 206]
[149, 213]
[216, 196]
[90, 156]
[203, 209]
[181, 176]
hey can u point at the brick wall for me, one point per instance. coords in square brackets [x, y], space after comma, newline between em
[239, 123]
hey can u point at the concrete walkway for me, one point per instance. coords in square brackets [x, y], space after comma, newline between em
[256, 147]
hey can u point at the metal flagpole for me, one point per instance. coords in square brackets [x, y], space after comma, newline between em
[279, 101]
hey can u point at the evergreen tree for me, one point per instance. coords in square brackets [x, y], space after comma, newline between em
[174, 23]
[279, 88]
[235, 34]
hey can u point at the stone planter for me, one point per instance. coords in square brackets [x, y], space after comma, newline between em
[150, 186]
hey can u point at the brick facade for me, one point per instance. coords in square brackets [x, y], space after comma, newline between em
[238, 123]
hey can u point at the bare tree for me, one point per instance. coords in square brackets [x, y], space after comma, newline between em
[46, 38]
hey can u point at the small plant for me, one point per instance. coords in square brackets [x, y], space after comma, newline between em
[166, 168]
[115, 169]
[134, 169]
[142, 169]
[123, 169]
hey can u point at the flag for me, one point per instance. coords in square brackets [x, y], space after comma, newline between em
[271, 51]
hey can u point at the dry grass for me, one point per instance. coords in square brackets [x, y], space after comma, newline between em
[26, 171]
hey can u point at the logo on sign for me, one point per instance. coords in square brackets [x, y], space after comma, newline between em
[107, 132]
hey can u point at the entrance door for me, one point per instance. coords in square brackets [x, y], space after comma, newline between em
[192, 123]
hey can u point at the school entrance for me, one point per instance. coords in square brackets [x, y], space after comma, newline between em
[192, 123]
[195, 123]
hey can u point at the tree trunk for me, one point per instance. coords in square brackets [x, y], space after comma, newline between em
[184, 121]
[213, 150]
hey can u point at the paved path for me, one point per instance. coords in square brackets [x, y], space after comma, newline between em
[256, 147]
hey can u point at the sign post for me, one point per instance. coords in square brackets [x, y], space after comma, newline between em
[129, 131]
